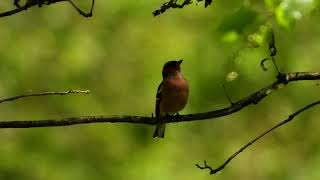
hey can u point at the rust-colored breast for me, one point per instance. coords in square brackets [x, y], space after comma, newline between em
[174, 95]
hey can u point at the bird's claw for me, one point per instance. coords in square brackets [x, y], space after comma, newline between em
[177, 116]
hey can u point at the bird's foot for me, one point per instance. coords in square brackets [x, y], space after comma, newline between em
[177, 116]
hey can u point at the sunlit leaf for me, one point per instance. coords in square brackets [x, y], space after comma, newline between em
[231, 76]
[230, 36]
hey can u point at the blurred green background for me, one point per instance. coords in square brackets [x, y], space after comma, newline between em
[118, 55]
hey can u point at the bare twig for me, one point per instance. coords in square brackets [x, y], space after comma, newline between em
[290, 118]
[45, 94]
[262, 64]
[227, 94]
[275, 64]
[206, 166]
[173, 4]
[273, 53]
[80, 11]
[235, 107]
[31, 3]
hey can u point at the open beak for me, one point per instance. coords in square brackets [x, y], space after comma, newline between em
[179, 62]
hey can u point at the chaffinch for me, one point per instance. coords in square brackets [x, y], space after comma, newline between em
[172, 94]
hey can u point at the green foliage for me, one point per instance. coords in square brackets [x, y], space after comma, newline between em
[118, 54]
[239, 20]
[289, 11]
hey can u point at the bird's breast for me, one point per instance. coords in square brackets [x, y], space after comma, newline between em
[174, 95]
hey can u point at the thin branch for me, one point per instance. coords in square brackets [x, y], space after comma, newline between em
[28, 4]
[235, 107]
[262, 64]
[289, 119]
[227, 94]
[173, 4]
[80, 11]
[273, 53]
[31, 3]
[45, 94]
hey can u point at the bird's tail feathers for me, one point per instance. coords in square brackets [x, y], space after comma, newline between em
[159, 131]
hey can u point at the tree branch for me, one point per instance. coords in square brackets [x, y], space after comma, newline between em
[31, 3]
[45, 94]
[254, 98]
[173, 4]
[289, 119]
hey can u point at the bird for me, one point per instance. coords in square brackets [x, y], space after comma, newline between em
[172, 94]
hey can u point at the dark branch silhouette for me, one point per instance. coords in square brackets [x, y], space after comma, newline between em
[254, 98]
[39, 3]
[45, 94]
[173, 4]
[289, 119]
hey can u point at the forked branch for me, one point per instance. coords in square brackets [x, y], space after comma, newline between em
[289, 119]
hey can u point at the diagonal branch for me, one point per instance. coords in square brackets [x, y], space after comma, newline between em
[45, 94]
[31, 3]
[289, 119]
[254, 98]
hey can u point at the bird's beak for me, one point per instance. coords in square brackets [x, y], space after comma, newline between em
[179, 62]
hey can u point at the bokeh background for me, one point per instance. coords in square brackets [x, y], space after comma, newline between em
[118, 55]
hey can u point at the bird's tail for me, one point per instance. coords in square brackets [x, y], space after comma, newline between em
[159, 131]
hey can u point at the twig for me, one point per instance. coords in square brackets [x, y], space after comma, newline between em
[235, 107]
[45, 94]
[262, 64]
[227, 94]
[290, 118]
[173, 4]
[206, 166]
[80, 11]
[31, 3]
[275, 64]
[273, 53]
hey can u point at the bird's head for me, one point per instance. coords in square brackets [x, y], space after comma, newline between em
[171, 68]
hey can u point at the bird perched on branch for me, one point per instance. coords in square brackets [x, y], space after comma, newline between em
[172, 94]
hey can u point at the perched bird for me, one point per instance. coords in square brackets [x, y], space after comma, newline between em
[172, 94]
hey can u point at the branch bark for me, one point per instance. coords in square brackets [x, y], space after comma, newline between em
[282, 81]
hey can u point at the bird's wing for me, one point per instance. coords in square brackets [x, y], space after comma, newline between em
[158, 99]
